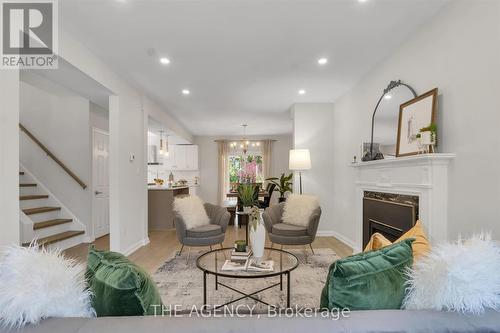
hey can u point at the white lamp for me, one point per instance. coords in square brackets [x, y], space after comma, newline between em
[300, 160]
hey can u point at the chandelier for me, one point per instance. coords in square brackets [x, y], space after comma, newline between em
[244, 144]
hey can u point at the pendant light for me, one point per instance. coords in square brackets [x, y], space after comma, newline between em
[166, 147]
[162, 149]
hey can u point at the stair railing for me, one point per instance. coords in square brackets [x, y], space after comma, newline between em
[53, 157]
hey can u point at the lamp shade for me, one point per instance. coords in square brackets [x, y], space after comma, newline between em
[300, 159]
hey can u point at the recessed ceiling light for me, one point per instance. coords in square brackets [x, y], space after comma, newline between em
[165, 61]
[185, 92]
[362, 1]
[387, 96]
[302, 92]
[322, 61]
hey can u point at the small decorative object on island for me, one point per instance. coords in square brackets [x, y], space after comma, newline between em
[283, 186]
[246, 197]
[159, 181]
[257, 234]
[170, 179]
[427, 138]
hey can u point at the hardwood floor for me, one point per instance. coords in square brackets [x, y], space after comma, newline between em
[163, 245]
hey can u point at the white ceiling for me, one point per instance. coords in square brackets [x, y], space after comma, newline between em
[242, 60]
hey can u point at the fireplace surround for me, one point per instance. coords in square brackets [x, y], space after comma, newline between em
[420, 176]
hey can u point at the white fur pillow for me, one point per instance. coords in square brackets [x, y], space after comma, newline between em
[299, 208]
[192, 211]
[37, 284]
[463, 276]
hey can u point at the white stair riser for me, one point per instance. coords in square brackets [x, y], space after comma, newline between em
[45, 232]
[30, 190]
[67, 243]
[25, 204]
[46, 216]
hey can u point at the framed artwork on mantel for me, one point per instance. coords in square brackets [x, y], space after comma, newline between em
[415, 114]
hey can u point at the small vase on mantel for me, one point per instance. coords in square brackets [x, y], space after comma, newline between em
[257, 234]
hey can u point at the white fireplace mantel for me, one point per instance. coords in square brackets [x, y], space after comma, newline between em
[425, 176]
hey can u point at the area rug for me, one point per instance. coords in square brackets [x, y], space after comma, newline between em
[181, 284]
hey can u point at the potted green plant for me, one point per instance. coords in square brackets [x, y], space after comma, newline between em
[427, 136]
[283, 185]
[246, 197]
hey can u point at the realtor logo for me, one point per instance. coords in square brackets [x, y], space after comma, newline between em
[29, 34]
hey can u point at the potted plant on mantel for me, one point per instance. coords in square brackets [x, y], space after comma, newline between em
[246, 197]
[283, 185]
[427, 137]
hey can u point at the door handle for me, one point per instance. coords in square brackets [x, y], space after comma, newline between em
[98, 192]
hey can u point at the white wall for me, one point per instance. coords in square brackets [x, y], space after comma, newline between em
[99, 117]
[208, 155]
[60, 120]
[312, 123]
[458, 52]
[9, 158]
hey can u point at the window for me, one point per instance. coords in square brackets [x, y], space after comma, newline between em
[245, 169]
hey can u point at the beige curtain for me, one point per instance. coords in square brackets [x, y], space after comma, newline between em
[223, 148]
[267, 159]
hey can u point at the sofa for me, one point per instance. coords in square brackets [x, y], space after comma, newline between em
[358, 321]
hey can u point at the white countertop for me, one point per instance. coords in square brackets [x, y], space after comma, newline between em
[167, 188]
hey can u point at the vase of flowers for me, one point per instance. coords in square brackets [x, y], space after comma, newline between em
[257, 234]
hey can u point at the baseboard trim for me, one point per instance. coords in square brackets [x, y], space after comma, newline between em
[346, 240]
[136, 246]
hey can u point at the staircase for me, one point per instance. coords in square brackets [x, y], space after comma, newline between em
[44, 218]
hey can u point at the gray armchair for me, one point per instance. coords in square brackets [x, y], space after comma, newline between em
[205, 235]
[289, 234]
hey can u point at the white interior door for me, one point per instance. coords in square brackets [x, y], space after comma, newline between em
[100, 182]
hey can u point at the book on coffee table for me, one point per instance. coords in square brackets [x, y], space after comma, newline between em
[240, 256]
[233, 266]
[263, 266]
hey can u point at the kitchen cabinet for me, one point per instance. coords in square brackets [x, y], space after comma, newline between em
[181, 157]
[169, 161]
[191, 157]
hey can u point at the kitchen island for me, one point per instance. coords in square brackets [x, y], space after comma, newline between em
[161, 205]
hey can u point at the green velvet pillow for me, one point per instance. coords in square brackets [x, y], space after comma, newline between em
[370, 280]
[119, 287]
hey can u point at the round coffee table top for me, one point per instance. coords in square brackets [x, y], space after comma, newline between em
[212, 262]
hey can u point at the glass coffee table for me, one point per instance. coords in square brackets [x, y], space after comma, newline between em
[211, 264]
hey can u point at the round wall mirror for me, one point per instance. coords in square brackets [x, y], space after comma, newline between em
[385, 124]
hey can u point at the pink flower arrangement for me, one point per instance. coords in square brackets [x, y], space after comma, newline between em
[248, 174]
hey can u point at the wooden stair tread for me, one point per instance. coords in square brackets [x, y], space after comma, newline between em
[33, 197]
[57, 237]
[39, 210]
[50, 223]
[27, 185]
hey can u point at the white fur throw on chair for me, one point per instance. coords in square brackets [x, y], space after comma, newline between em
[38, 283]
[299, 208]
[463, 276]
[192, 211]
